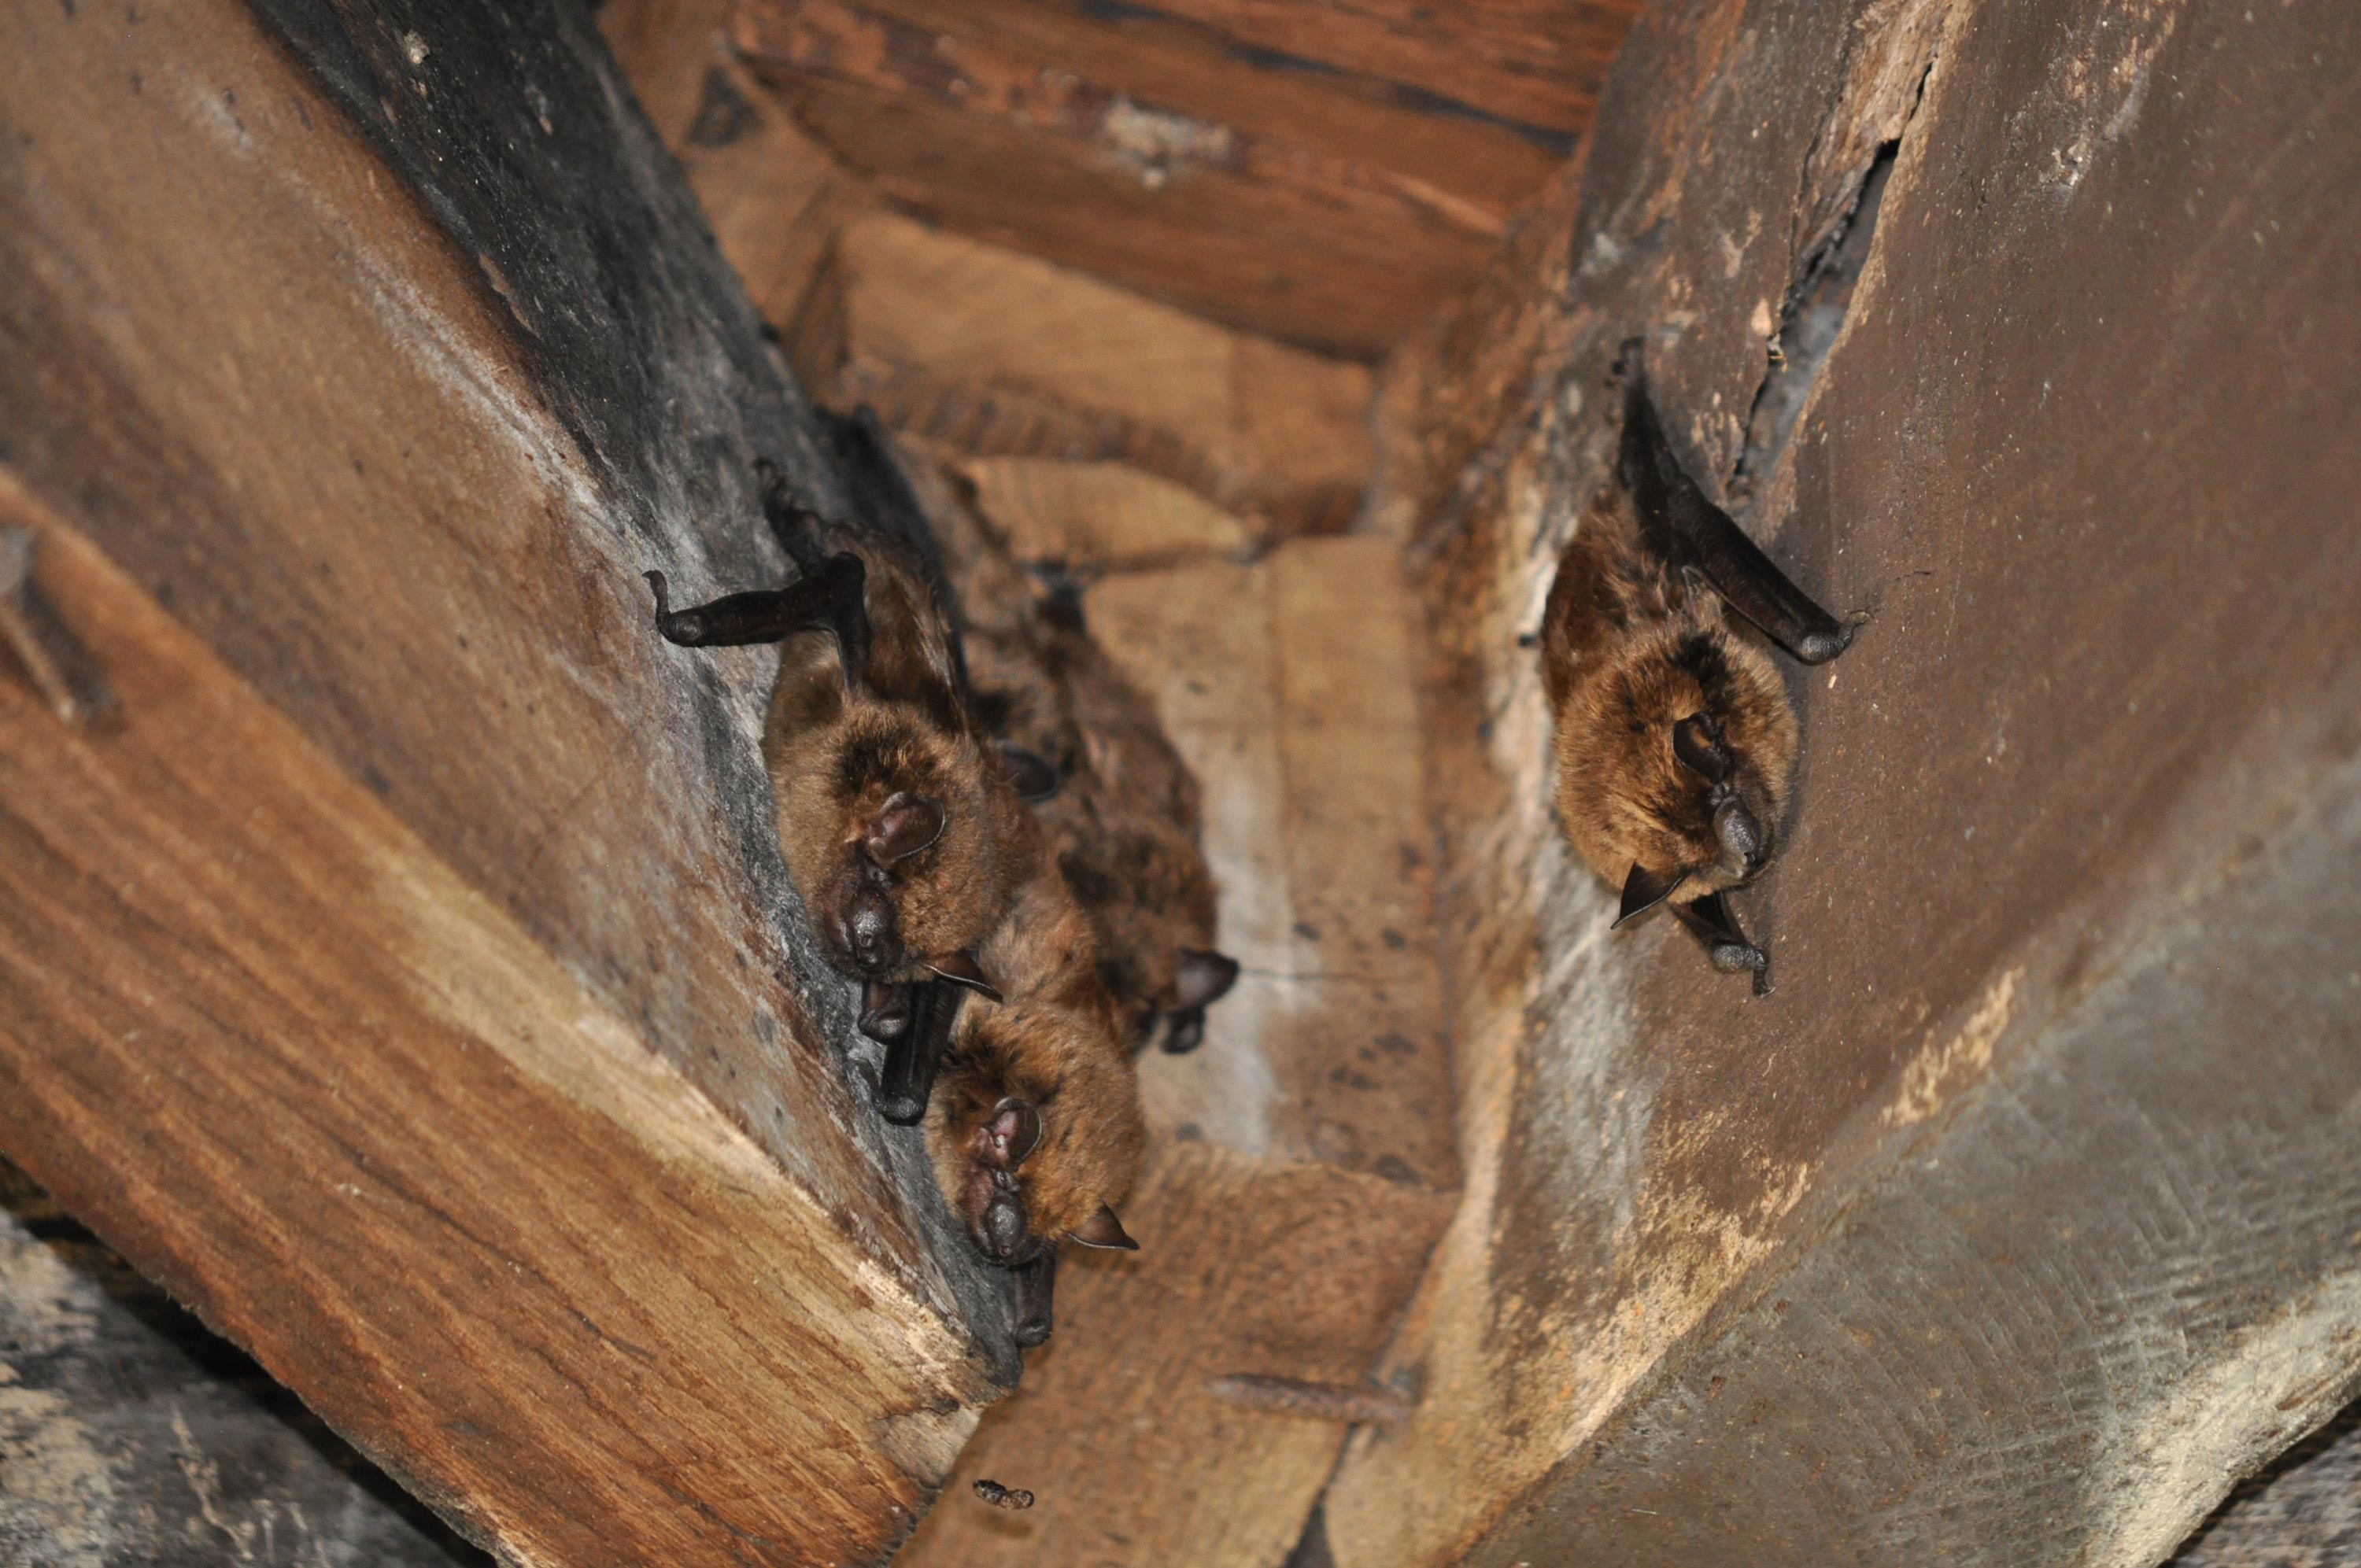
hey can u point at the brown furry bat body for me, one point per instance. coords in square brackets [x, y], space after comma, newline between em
[1120, 807]
[897, 822]
[1034, 1127]
[903, 834]
[1674, 740]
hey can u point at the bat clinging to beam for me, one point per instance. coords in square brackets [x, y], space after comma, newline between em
[1034, 1130]
[898, 821]
[1675, 739]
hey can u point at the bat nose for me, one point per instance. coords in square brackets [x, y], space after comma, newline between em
[1001, 1230]
[1743, 836]
[869, 934]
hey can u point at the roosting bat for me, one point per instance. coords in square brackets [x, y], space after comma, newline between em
[1120, 805]
[1675, 742]
[898, 824]
[1034, 1130]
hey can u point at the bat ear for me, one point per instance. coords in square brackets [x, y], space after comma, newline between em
[1204, 977]
[906, 824]
[1033, 774]
[1103, 1230]
[1697, 744]
[1014, 1132]
[960, 969]
[1643, 890]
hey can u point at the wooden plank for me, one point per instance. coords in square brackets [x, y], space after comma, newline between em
[1286, 687]
[1244, 1266]
[2305, 1512]
[989, 353]
[1533, 63]
[1305, 201]
[1100, 517]
[133, 1435]
[2017, 1223]
[774, 196]
[344, 1107]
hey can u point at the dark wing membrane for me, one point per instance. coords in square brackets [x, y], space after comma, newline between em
[1693, 532]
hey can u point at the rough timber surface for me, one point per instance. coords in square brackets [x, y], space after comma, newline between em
[1325, 173]
[383, 348]
[2017, 1224]
[128, 1434]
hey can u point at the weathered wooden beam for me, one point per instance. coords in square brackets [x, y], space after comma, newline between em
[1247, 161]
[2017, 1223]
[335, 1100]
[411, 983]
[988, 352]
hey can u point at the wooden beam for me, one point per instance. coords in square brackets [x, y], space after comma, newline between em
[987, 352]
[374, 352]
[2017, 1223]
[260, 1036]
[1297, 195]
[1246, 1265]
[774, 196]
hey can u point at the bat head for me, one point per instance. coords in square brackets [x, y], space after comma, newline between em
[905, 838]
[1675, 758]
[1035, 1127]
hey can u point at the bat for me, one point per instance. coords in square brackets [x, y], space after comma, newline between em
[1013, 1499]
[1674, 740]
[1082, 744]
[1034, 1128]
[899, 828]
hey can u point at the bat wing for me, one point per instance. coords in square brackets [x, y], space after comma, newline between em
[1696, 534]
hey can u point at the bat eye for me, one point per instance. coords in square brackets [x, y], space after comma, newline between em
[1697, 743]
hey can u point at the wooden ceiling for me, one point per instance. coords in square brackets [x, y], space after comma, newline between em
[1326, 171]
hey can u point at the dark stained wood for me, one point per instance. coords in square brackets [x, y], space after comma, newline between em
[1245, 1266]
[987, 352]
[2017, 1224]
[1300, 198]
[342, 1105]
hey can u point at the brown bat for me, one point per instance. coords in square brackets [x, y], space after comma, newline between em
[1121, 807]
[897, 822]
[1034, 1129]
[1675, 740]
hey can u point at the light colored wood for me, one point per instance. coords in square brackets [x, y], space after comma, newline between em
[1100, 516]
[1286, 687]
[330, 1096]
[1289, 193]
[775, 197]
[1244, 1266]
[991, 353]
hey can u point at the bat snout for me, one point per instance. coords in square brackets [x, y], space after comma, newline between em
[1001, 1230]
[1745, 838]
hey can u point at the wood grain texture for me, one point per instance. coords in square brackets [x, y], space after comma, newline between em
[990, 353]
[2010, 1228]
[1533, 64]
[2304, 1512]
[312, 377]
[1286, 687]
[775, 197]
[344, 1107]
[128, 1433]
[1298, 198]
[1244, 1266]
[1100, 516]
